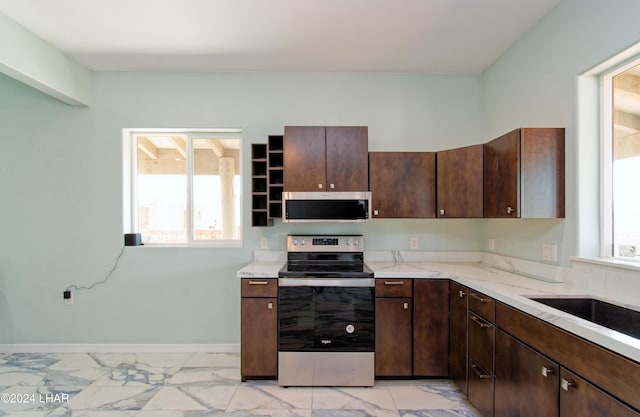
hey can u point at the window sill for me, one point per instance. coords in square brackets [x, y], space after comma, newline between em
[203, 245]
[609, 262]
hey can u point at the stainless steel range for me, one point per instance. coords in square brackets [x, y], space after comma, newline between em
[326, 309]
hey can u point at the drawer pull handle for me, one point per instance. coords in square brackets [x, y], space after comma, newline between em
[479, 322]
[258, 283]
[546, 371]
[478, 371]
[566, 384]
[270, 306]
[394, 283]
[462, 294]
[405, 306]
[482, 300]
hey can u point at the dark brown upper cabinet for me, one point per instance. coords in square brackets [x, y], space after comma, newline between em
[318, 158]
[460, 182]
[403, 184]
[524, 174]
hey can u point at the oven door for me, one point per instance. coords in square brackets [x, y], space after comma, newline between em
[326, 315]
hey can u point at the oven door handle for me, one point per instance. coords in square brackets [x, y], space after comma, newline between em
[326, 282]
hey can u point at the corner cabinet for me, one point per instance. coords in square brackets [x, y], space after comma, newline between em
[458, 346]
[320, 158]
[524, 174]
[402, 184]
[459, 182]
[259, 328]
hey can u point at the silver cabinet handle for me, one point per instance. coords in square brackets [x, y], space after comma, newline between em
[332, 186]
[258, 283]
[319, 185]
[462, 294]
[509, 210]
[479, 372]
[270, 306]
[565, 385]
[481, 299]
[375, 212]
[394, 283]
[442, 212]
[479, 322]
[546, 371]
[405, 306]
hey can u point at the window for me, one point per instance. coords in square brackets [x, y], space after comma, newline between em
[185, 186]
[621, 103]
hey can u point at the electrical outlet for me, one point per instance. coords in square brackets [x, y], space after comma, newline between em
[492, 245]
[549, 252]
[67, 297]
[264, 243]
[413, 242]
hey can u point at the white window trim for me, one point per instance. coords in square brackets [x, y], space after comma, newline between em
[130, 172]
[606, 156]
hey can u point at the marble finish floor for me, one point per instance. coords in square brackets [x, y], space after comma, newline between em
[197, 385]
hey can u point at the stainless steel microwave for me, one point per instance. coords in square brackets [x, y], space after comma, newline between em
[326, 206]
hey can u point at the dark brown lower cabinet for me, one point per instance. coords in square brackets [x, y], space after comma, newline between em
[578, 398]
[480, 388]
[430, 327]
[393, 337]
[526, 383]
[259, 328]
[458, 350]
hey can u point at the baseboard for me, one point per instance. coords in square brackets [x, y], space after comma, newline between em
[119, 348]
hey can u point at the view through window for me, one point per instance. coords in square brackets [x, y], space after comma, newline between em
[625, 164]
[187, 186]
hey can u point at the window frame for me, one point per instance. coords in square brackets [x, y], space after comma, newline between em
[130, 189]
[607, 246]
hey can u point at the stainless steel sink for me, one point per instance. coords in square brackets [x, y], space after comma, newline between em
[621, 319]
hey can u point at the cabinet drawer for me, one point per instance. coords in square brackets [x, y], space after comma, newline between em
[480, 389]
[482, 305]
[481, 339]
[394, 287]
[259, 287]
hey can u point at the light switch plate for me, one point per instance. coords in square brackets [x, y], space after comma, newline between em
[264, 243]
[413, 242]
[492, 245]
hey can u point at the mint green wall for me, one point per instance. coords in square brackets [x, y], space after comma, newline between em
[61, 188]
[536, 84]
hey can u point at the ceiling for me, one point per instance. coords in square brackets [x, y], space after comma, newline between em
[451, 36]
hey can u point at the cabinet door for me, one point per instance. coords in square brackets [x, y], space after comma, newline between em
[578, 398]
[502, 176]
[520, 373]
[393, 337]
[459, 182]
[458, 352]
[402, 184]
[347, 158]
[304, 158]
[542, 173]
[259, 337]
[430, 327]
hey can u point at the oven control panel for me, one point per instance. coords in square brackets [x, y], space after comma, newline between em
[318, 243]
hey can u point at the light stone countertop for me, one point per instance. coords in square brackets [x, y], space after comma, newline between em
[507, 287]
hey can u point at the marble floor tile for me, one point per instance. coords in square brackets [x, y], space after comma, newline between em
[270, 397]
[377, 397]
[201, 385]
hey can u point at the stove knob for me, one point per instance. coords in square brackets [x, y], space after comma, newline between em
[348, 242]
[295, 242]
[356, 242]
[350, 328]
[302, 242]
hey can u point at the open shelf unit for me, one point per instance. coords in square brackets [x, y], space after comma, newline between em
[267, 181]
